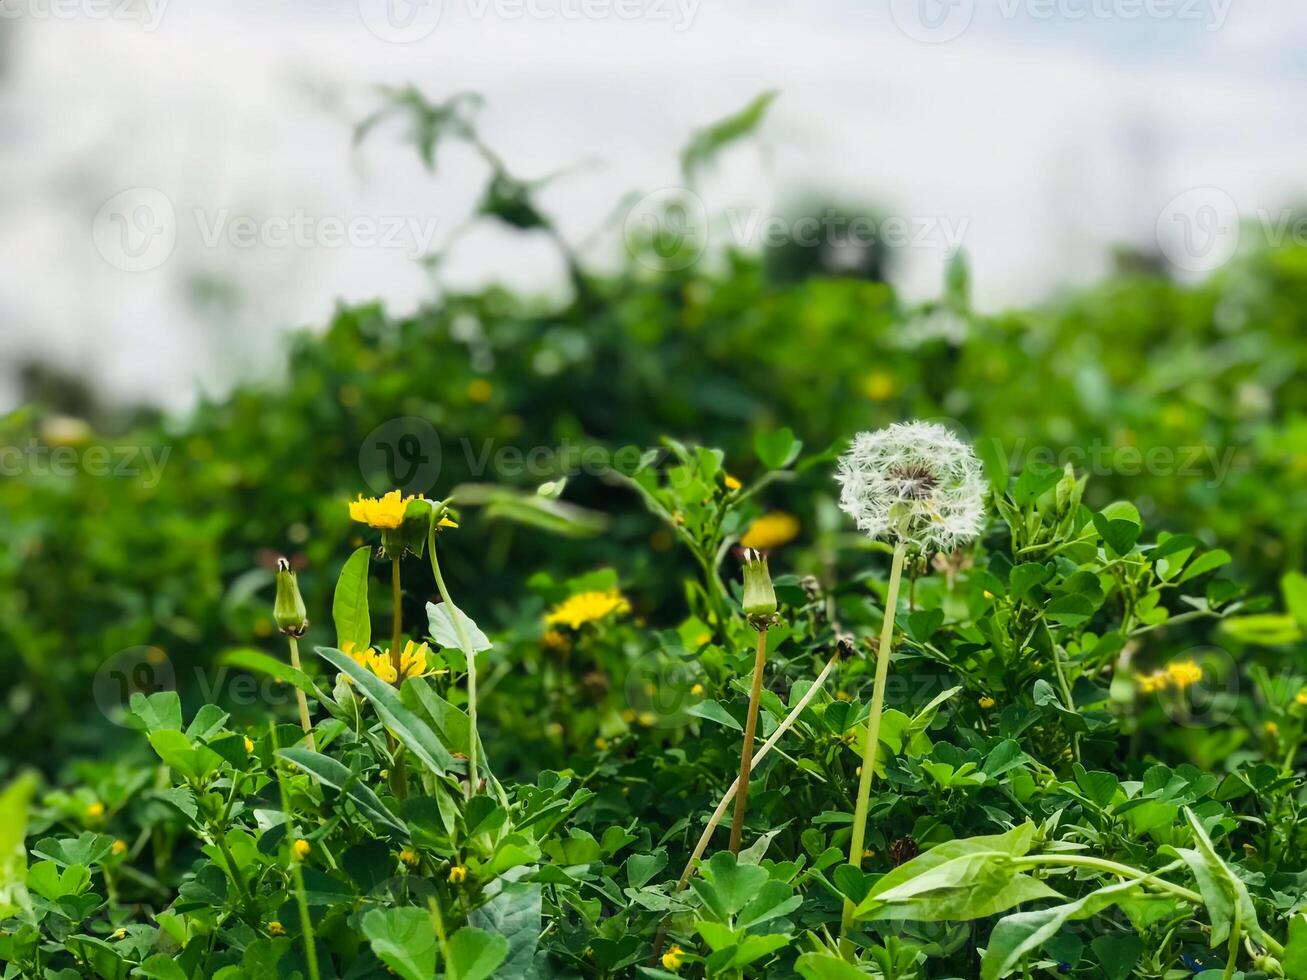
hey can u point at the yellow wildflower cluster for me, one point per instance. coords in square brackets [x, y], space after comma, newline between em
[673, 958]
[412, 662]
[771, 531]
[385, 513]
[1177, 675]
[588, 607]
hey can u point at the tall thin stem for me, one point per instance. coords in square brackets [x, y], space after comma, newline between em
[873, 736]
[720, 811]
[399, 774]
[303, 701]
[469, 654]
[746, 754]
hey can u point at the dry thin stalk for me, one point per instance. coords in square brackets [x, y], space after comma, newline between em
[746, 753]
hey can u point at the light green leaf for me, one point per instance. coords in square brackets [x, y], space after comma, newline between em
[349, 605]
[443, 632]
[403, 939]
[713, 711]
[160, 966]
[258, 662]
[824, 966]
[414, 733]
[475, 954]
[159, 711]
[339, 777]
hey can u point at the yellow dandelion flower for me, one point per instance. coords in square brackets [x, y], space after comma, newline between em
[412, 662]
[628, 716]
[275, 928]
[673, 958]
[457, 874]
[731, 482]
[771, 531]
[95, 811]
[647, 718]
[480, 390]
[409, 857]
[1183, 673]
[119, 847]
[588, 607]
[987, 703]
[385, 513]
[301, 849]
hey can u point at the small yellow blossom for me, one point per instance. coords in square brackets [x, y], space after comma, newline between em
[555, 729]
[601, 744]
[1151, 683]
[673, 958]
[988, 594]
[588, 607]
[409, 857]
[555, 640]
[385, 513]
[412, 662]
[119, 847]
[95, 811]
[1302, 697]
[843, 695]
[301, 849]
[771, 531]
[480, 390]
[868, 852]
[697, 690]
[457, 874]
[647, 718]
[1271, 729]
[1183, 673]
[731, 482]
[628, 716]
[986, 703]
[119, 934]
[878, 386]
[249, 744]
[275, 928]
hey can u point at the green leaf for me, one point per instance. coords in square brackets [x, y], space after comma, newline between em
[160, 966]
[1118, 955]
[14, 804]
[706, 143]
[403, 939]
[414, 733]
[1294, 959]
[515, 914]
[1070, 610]
[726, 887]
[1120, 534]
[1267, 629]
[1021, 933]
[159, 711]
[713, 711]
[777, 449]
[339, 777]
[349, 604]
[1216, 881]
[195, 762]
[1035, 480]
[1294, 587]
[824, 966]
[475, 954]
[1022, 578]
[443, 632]
[258, 662]
[1205, 563]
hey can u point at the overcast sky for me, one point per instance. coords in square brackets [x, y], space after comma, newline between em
[1035, 133]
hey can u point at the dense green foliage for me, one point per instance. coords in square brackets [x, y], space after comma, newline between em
[1088, 762]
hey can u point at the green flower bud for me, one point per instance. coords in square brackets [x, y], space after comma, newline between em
[289, 612]
[759, 596]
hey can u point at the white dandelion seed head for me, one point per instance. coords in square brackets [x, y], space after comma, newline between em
[915, 482]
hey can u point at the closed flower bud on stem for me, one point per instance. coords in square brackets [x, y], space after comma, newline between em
[288, 611]
[759, 596]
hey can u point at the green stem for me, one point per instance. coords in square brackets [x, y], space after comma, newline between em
[465, 644]
[303, 701]
[873, 736]
[746, 754]
[1109, 867]
[399, 769]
